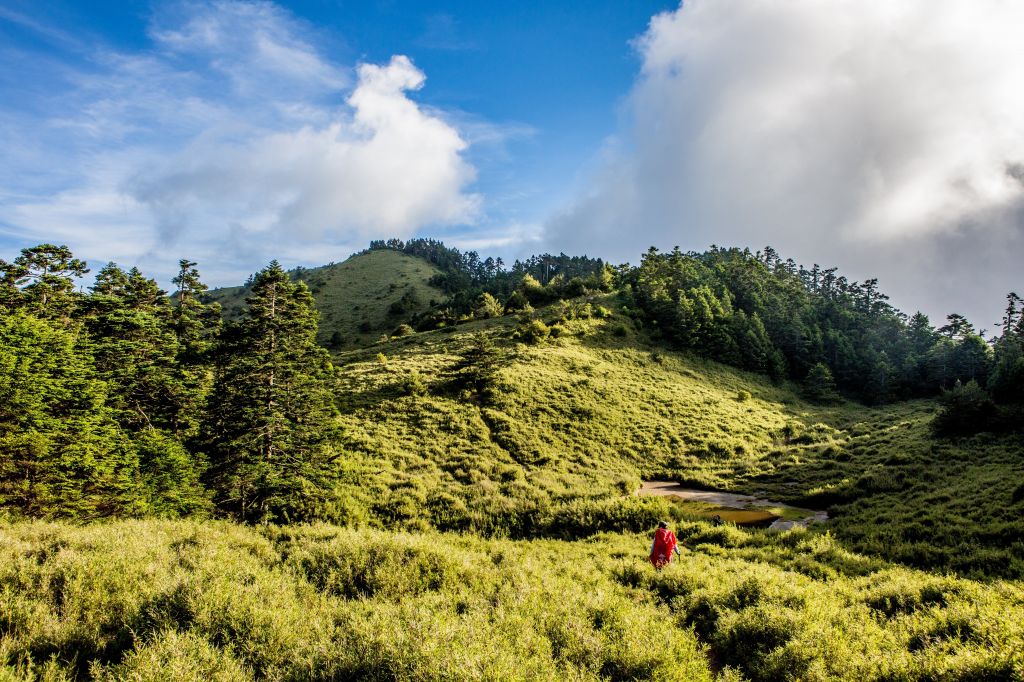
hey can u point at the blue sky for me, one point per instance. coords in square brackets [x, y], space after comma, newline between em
[881, 137]
[535, 88]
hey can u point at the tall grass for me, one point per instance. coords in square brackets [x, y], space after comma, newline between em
[160, 600]
[192, 601]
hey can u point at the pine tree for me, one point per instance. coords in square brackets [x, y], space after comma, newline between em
[195, 323]
[819, 385]
[476, 369]
[271, 412]
[128, 320]
[155, 399]
[61, 452]
[41, 280]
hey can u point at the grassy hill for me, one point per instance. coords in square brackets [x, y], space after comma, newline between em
[572, 425]
[360, 299]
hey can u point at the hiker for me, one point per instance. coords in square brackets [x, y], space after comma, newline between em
[663, 546]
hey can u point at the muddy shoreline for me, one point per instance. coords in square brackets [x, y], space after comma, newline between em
[744, 510]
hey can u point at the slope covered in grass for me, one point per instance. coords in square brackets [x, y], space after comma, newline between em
[188, 601]
[359, 299]
[573, 424]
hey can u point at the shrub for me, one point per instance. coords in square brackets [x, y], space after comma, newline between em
[403, 330]
[413, 384]
[581, 518]
[966, 408]
[533, 332]
[487, 306]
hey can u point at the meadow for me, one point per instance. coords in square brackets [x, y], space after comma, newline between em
[574, 423]
[188, 600]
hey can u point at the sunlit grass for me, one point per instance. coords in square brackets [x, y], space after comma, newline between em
[152, 600]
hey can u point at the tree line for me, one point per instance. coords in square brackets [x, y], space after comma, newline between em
[759, 312]
[126, 401]
[814, 326]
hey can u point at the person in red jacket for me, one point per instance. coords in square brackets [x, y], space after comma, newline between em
[663, 546]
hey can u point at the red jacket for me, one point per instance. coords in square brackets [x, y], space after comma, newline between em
[664, 545]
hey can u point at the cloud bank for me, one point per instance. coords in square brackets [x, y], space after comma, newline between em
[882, 137]
[232, 141]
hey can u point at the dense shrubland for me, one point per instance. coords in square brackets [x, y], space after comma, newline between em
[184, 601]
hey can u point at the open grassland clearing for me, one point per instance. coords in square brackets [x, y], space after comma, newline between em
[572, 425]
[187, 600]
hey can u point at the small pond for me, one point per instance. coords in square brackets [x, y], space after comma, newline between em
[743, 510]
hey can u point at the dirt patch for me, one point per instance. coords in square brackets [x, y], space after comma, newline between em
[740, 509]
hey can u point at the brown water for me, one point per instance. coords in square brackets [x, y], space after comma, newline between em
[743, 510]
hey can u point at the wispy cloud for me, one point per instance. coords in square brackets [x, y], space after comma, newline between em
[232, 139]
[441, 32]
[879, 136]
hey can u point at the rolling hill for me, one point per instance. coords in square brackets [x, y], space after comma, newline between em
[571, 425]
[360, 299]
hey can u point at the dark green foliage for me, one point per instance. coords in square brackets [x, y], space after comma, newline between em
[966, 408]
[136, 350]
[41, 281]
[758, 312]
[819, 385]
[476, 369]
[170, 476]
[195, 323]
[271, 414]
[61, 452]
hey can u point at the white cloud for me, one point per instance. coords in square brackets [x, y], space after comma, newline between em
[874, 135]
[232, 141]
[389, 168]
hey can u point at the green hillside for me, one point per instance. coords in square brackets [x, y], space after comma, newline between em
[462, 503]
[365, 296]
[573, 424]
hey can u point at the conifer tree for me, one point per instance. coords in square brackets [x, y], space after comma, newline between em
[819, 385]
[41, 280]
[61, 452]
[135, 351]
[271, 412]
[154, 398]
[195, 323]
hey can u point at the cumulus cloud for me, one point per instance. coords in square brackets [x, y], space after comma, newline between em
[388, 168]
[882, 137]
[232, 141]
